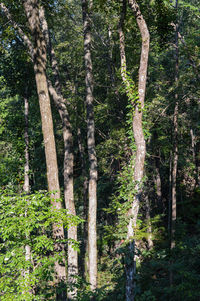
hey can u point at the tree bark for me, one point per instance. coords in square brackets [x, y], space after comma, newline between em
[92, 189]
[72, 258]
[39, 61]
[138, 135]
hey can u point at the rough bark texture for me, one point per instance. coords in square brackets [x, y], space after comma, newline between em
[138, 134]
[39, 60]
[72, 261]
[92, 189]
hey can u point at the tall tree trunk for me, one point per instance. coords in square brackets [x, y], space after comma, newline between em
[175, 145]
[26, 186]
[175, 136]
[72, 258]
[92, 189]
[138, 134]
[39, 60]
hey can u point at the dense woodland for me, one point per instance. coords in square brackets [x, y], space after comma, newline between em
[100, 150]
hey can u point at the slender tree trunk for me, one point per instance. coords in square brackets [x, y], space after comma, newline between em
[170, 194]
[72, 261]
[194, 156]
[39, 60]
[175, 146]
[148, 217]
[92, 189]
[175, 138]
[158, 184]
[138, 135]
[26, 186]
[85, 205]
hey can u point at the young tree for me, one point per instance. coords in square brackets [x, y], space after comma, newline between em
[175, 135]
[137, 131]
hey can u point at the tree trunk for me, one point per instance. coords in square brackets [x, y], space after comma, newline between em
[138, 135]
[175, 146]
[170, 194]
[26, 186]
[39, 60]
[175, 137]
[85, 205]
[158, 184]
[194, 157]
[148, 217]
[72, 261]
[92, 189]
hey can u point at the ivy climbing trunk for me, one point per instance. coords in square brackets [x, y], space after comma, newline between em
[130, 267]
[39, 61]
[92, 189]
[60, 102]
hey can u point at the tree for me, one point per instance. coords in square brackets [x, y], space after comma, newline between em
[138, 133]
[72, 262]
[39, 61]
[92, 189]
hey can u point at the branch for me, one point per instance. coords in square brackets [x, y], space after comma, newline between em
[24, 37]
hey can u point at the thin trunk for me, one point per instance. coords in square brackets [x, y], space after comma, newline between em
[194, 156]
[193, 145]
[170, 194]
[85, 205]
[175, 139]
[92, 189]
[72, 261]
[148, 217]
[158, 183]
[175, 146]
[138, 134]
[26, 186]
[39, 61]
[111, 67]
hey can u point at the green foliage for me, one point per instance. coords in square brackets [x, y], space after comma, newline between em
[26, 220]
